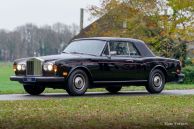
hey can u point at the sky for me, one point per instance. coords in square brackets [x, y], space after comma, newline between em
[15, 13]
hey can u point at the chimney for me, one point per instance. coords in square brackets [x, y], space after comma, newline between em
[81, 18]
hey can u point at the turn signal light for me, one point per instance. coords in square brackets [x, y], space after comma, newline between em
[14, 68]
[55, 68]
[65, 73]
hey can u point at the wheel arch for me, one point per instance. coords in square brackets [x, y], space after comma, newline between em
[163, 69]
[85, 69]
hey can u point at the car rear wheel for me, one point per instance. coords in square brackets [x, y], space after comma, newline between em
[156, 82]
[33, 89]
[114, 90]
[78, 83]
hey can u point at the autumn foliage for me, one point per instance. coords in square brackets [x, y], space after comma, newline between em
[165, 25]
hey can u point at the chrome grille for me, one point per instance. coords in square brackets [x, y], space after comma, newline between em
[34, 67]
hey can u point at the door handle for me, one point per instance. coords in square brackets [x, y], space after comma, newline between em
[130, 61]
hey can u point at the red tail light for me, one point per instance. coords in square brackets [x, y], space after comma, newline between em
[178, 71]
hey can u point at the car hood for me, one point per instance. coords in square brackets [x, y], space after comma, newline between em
[59, 57]
[52, 58]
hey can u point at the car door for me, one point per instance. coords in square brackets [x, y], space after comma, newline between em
[120, 61]
[125, 62]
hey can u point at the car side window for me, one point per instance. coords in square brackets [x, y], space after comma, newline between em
[119, 48]
[133, 51]
[106, 50]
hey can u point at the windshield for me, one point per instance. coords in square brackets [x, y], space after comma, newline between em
[92, 47]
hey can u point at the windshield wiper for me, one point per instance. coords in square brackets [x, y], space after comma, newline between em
[66, 52]
[82, 53]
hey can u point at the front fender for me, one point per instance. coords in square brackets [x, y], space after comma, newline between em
[84, 68]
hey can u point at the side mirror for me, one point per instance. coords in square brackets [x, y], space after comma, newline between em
[113, 52]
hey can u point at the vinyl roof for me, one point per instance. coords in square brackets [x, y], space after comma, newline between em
[141, 46]
[111, 39]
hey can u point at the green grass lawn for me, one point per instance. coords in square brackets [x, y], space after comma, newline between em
[157, 111]
[100, 112]
[9, 87]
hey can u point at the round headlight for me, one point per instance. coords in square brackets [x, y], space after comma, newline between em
[50, 67]
[45, 67]
[23, 67]
[19, 67]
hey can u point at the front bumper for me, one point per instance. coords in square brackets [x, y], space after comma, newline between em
[36, 79]
[180, 77]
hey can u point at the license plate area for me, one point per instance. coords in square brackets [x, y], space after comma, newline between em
[29, 79]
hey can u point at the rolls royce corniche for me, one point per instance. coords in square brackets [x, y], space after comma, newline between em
[97, 62]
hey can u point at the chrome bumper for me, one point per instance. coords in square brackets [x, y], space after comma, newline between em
[180, 77]
[34, 79]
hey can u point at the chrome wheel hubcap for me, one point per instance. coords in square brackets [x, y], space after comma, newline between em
[157, 81]
[79, 82]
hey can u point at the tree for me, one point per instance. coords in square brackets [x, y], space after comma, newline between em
[177, 25]
[30, 40]
[165, 25]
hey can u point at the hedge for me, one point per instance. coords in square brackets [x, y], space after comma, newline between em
[189, 74]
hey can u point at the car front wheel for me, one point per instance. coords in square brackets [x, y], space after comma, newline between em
[114, 90]
[33, 89]
[156, 82]
[78, 83]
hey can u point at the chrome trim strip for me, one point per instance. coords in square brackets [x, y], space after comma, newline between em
[131, 81]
